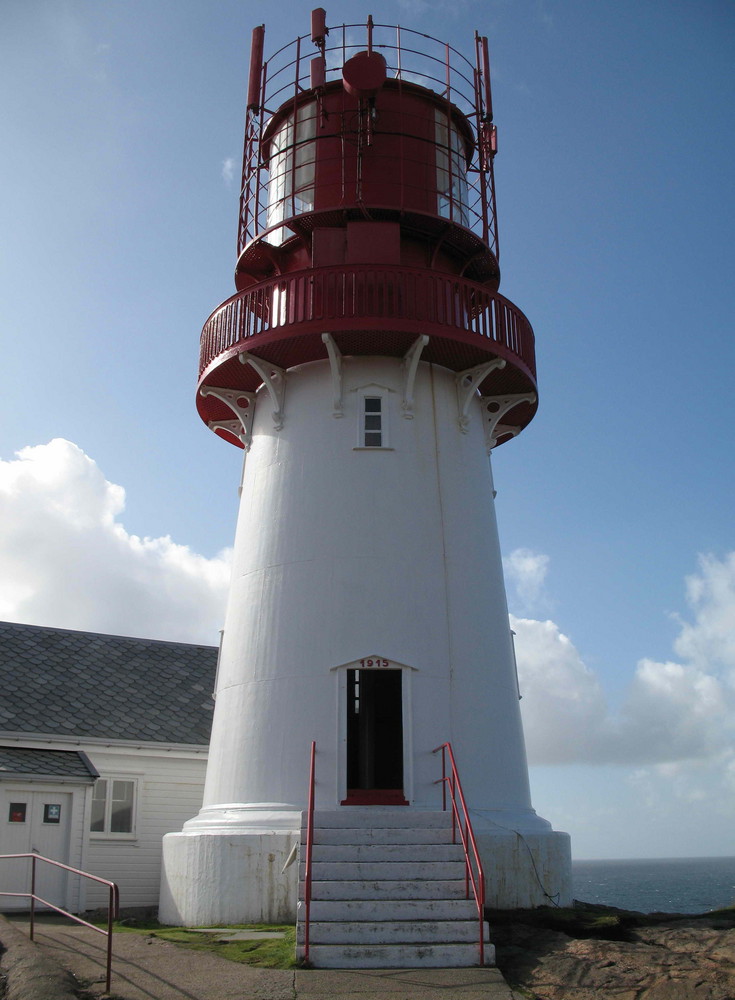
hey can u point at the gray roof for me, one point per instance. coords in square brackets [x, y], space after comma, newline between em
[46, 763]
[61, 683]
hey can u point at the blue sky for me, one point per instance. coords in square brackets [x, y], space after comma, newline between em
[615, 201]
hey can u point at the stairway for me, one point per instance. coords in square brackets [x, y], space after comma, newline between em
[388, 891]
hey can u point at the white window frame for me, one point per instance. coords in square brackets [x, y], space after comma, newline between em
[106, 833]
[373, 392]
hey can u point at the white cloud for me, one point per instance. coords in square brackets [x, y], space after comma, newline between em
[526, 572]
[66, 559]
[562, 702]
[674, 711]
[228, 170]
[710, 640]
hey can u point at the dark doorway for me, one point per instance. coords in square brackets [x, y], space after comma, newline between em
[374, 738]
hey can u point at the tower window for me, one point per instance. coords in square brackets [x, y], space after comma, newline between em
[372, 432]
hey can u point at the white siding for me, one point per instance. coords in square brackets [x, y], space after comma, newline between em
[169, 792]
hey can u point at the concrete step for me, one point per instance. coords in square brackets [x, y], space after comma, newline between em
[379, 889]
[340, 871]
[358, 910]
[388, 891]
[400, 956]
[380, 835]
[394, 932]
[395, 853]
[382, 817]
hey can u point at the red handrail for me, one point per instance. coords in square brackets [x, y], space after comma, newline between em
[461, 820]
[309, 845]
[113, 905]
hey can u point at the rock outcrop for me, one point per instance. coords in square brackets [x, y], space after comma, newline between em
[590, 951]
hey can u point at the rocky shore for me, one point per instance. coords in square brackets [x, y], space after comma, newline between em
[589, 951]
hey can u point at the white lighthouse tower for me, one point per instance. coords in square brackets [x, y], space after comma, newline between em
[368, 366]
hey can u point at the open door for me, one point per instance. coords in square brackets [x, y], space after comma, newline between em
[374, 738]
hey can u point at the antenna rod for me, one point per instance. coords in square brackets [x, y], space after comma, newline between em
[256, 68]
[486, 78]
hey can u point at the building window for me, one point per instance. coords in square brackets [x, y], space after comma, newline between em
[113, 806]
[17, 813]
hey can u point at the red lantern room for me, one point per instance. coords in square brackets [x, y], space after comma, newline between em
[367, 219]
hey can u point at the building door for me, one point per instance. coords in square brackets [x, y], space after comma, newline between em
[34, 821]
[374, 738]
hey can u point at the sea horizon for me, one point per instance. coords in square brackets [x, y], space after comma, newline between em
[694, 884]
[659, 857]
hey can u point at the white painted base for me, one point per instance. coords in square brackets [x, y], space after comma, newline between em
[232, 872]
[527, 869]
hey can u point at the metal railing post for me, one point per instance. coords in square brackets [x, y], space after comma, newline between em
[309, 845]
[111, 914]
[33, 894]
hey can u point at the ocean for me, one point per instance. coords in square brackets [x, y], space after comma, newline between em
[669, 885]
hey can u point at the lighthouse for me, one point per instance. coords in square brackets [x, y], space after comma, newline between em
[367, 367]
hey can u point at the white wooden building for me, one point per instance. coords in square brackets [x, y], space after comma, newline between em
[103, 748]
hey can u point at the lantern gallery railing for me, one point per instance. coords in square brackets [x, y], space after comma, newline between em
[368, 298]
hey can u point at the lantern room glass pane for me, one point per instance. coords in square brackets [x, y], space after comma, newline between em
[451, 171]
[291, 170]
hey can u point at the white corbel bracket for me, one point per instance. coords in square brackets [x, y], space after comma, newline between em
[274, 379]
[242, 405]
[233, 427]
[467, 384]
[410, 367]
[335, 367]
[496, 408]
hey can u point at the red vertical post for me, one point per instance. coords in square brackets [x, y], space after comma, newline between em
[111, 913]
[309, 845]
[33, 893]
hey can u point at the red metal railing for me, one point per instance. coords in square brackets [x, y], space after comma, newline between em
[474, 873]
[357, 296]
[309, 846]
[113, 905]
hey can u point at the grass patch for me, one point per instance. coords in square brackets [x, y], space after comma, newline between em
[262, 953]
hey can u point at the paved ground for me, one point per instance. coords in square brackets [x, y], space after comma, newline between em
[145, 968]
